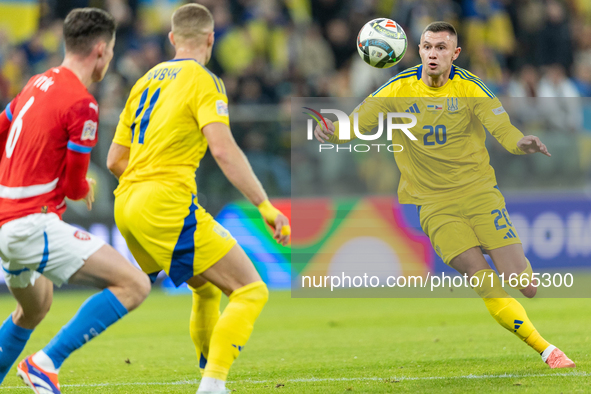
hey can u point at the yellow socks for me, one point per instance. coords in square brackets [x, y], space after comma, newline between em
[234, 327]
[507, 311]
[204, 316]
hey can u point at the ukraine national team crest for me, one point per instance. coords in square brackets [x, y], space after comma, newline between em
[452, 104]
[89, 130]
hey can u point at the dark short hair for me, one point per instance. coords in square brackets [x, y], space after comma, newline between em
[437, 27]
[84, 26]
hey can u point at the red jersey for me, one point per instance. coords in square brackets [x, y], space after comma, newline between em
[49, 128]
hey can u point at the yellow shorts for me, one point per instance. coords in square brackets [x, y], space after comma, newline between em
[166, 229]
[475, 220]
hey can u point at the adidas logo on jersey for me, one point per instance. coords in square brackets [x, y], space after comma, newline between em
[413, 109]
[510, 234]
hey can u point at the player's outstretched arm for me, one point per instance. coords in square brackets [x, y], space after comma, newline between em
[532, 144]
[496, 120]
[237, 169]
[368, 117]
[117, 159]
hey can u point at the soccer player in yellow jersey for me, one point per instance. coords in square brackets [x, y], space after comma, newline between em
[173, 114]
[447, 174]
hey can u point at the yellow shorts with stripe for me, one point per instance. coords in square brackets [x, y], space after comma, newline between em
[475, 220]
[165, 229]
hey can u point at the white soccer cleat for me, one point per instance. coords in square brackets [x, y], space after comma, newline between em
[40, 381]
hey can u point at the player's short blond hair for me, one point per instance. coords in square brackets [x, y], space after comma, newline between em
[191, 21]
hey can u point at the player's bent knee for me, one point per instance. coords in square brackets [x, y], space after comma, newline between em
[255, 293]
[140, 288]
[206, 290]
[132, 287]
[144, 285]
[530, 291]
[522, 281]
[31, 318]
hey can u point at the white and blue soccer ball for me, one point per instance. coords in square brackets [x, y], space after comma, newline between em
[381, 43]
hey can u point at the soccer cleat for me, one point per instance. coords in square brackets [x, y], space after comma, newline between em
[224, 391]
[557, 359]
[40, 381]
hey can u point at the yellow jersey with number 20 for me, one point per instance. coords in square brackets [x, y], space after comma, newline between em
[163, 120]
[449, 158]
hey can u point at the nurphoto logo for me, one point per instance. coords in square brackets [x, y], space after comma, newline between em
[344, 129]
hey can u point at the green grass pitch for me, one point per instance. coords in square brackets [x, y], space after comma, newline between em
[327, 346]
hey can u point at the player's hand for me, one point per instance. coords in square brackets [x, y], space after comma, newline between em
[89, 199]
[321, 133]
[277, 220]
[282, 230]
[532, 144]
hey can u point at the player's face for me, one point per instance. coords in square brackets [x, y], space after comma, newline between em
[102, 64]
[438, 51]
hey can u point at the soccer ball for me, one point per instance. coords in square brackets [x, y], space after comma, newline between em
[381, 43]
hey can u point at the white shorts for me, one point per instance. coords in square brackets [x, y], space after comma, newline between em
[42, 244]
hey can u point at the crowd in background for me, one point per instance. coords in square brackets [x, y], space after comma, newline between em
[267, 51]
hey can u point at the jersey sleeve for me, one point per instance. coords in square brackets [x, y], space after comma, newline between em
[493, 116]
[82, 126]
[489, 110]
[367, 114]
[369, 109]
[7, 115]
[211, 103]
[123, 132]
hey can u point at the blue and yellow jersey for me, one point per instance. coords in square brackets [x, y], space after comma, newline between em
[449, 158]
[162, 122]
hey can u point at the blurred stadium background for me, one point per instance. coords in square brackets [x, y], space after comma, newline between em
[268, 51]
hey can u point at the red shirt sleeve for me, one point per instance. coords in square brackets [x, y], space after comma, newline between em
[82, 127]
[75, 185]
[5, 122]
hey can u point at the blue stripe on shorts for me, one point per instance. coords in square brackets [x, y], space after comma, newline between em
[181, 265]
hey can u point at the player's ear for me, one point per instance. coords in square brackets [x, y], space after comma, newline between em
[456, 53]
[100, 48]
[171, 38]
[210, 39]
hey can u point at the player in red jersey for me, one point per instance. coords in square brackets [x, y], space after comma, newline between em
[46, 135]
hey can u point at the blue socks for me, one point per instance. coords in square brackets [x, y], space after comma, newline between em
[94, 316]
[12, 342]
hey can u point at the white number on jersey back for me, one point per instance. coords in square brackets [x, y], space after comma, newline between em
[17, 126]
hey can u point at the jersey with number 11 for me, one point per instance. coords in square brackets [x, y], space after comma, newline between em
[53, 113]
[163, 120]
